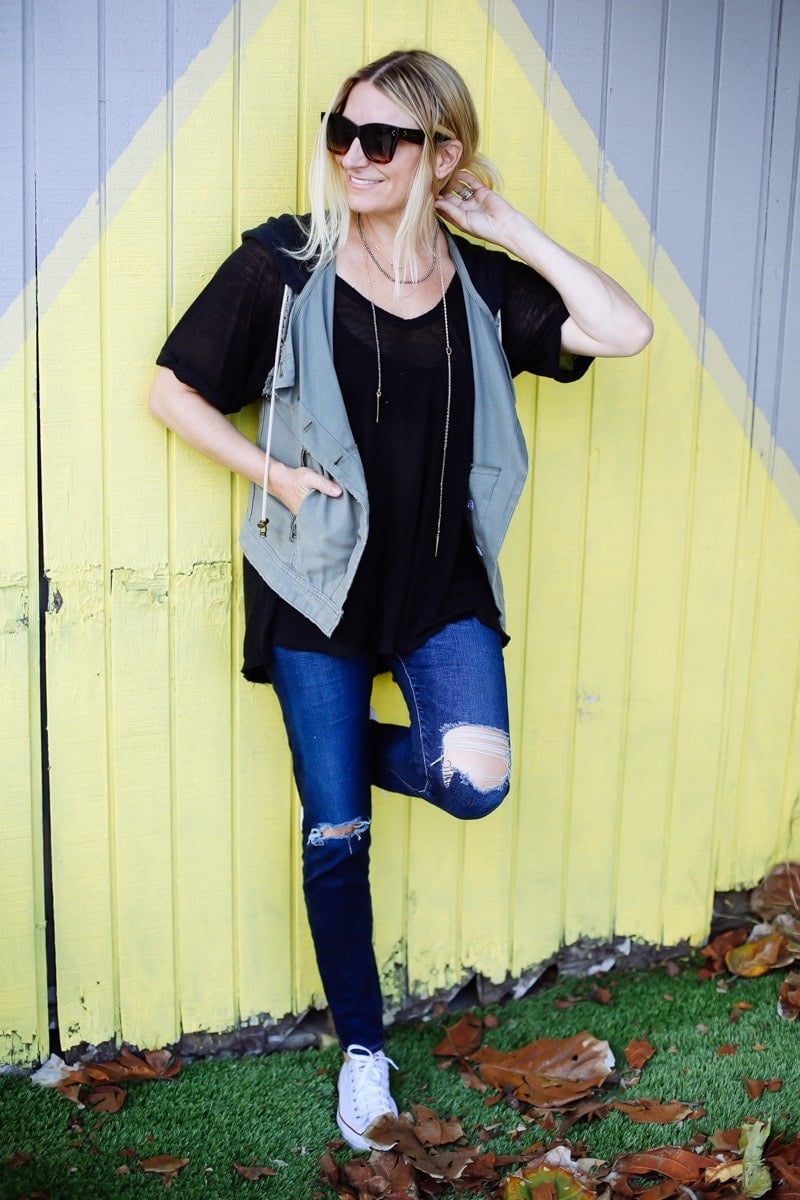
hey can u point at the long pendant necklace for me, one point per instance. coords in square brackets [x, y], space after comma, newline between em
[384, 272]
[448, 358]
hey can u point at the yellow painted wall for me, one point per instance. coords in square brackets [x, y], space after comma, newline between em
[652, 574]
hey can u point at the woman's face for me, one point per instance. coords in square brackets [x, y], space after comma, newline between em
[378, 189]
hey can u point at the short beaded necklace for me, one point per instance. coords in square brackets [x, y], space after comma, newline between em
[448, 353]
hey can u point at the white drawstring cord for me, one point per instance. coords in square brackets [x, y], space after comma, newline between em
[262, 524]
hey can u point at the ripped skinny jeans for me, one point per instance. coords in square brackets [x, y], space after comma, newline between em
[454, 754]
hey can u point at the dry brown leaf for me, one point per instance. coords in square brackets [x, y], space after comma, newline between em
[759, 956]
[684, 1166]
[784, 1159]
[754, 1087]
[726, 1048]
[106, 1098]
[714, 952]
[163, 1164]
[729, 1169]
[637, 1053]
[725, 1139]
[789, 997]
[779, 892]
[469, 1078]
[252, 1173]
[18, 1160]
[653, 1112]
[550, 1072]
[431, 1130]
[461, 1039]
[601, 995]
[401, 1135]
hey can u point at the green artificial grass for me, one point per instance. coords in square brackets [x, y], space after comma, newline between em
[279, 1111]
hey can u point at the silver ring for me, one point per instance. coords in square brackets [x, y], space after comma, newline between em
[468, 193]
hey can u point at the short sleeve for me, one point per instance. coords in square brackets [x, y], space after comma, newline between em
[224, 345]
[532, 315]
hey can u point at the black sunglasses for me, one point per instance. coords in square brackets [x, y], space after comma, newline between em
[378, 141]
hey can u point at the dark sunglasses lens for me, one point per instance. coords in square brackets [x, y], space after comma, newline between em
[377, 141]
[339, 134]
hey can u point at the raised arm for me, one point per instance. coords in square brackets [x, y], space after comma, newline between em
[604, 321]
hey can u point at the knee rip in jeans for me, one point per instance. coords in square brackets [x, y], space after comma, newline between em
[321, 834]
[480, 754]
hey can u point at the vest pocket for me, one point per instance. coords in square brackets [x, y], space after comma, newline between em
[326, 536]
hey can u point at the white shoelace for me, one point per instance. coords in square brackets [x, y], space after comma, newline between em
[369, 1080]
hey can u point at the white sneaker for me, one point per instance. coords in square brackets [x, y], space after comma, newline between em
[364, 1095]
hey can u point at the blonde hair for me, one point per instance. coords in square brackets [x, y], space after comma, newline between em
[436, 97]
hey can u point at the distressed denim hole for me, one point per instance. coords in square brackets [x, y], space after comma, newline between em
[321, 834]
[480, 754]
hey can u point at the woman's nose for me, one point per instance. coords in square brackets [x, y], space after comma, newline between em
[355, 156]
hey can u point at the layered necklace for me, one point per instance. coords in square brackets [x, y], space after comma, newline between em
[368, 255]
[383, 270]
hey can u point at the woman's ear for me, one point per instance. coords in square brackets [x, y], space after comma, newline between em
[448, 156]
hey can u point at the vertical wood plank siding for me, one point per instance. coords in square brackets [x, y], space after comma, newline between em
[652, 570]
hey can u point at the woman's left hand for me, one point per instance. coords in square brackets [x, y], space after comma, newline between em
[604, 321]
[476, 209]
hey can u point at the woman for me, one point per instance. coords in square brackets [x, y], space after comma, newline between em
[388, 466]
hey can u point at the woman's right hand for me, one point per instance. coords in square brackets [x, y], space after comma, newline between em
[291, 485]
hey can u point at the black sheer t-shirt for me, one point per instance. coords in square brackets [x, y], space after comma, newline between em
[420, 569]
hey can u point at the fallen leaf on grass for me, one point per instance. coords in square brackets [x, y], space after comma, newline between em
[784, 1160]
[778, 892]
[726, 1048]
[656, 1112]
[754, 1087]
[18, 1160]
[714, 952]
[165, 1165]
[107, 1098]
[759, 956]
[461, 1039]
[601, 995]
[432, 1130]
[97, 1085]
[637, 1053]
[789, 997]
[550, 1072]
[153, 1064]
[253, 1173]
[756, 1178]
[673, 1162]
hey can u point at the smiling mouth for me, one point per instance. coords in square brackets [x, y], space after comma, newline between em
[357, 181]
